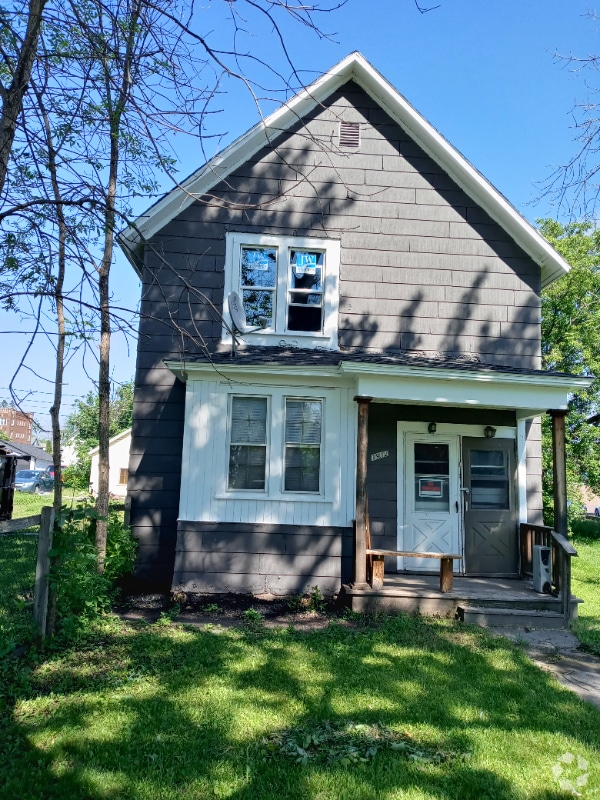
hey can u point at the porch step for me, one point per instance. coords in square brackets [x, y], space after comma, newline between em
[495, 617]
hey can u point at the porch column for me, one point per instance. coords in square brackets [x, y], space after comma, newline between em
[559, 468]
[360, 535]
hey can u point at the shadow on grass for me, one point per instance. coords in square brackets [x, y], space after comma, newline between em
[163, 712]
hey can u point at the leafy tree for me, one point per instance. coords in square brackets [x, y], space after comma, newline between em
[81, 428]
[571, 343]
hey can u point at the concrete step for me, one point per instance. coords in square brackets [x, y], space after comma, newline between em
[489, 617]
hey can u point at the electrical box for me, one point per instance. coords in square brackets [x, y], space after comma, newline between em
[542, 568]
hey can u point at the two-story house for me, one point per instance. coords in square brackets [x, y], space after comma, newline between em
[394, 297]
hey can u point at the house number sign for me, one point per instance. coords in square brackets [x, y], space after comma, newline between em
[381, 454]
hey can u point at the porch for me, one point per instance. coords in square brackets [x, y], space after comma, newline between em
[488, 601]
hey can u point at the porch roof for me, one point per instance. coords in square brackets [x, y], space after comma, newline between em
[416, 379]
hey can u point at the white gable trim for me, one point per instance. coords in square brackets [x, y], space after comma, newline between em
[113, 440]
[353, 67]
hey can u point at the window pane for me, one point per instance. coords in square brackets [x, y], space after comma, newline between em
[303, 421]
[302, 468]
[490, 480]
[249, 420]
[259, 266]
[307, 270]
[306, 299]
[432, 468]
[258, 305]
[247, 467]
[304, 318]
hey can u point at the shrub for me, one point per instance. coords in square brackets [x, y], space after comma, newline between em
[82, 593]
[77, 476]
[586, 528]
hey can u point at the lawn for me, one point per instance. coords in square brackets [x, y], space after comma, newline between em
[159, 711]
[367, 709]
[586, 585]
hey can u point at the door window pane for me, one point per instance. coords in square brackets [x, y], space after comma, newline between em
[490, 484]
[432, 476]
[248, 443]
[303, 421]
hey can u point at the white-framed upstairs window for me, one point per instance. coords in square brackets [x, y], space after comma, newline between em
[288, 286]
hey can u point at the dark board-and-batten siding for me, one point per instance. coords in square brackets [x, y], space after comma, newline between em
[217, 557]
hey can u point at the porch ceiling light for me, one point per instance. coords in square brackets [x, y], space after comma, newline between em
[489, 432]
[432, 427]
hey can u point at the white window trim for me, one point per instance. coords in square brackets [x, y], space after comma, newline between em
[328, 337]
[274, 477]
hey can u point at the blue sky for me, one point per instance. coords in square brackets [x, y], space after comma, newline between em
[483, 73]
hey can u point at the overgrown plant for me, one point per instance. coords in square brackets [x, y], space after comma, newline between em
[82, 594]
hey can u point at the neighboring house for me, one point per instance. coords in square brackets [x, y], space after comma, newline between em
[17, 425]
[31, 456]
[118, 464]
[397, 299]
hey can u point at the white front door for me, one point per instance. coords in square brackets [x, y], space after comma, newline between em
[431, 504]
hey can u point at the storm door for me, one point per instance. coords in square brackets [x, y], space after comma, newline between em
[431, 498]
[490, 512]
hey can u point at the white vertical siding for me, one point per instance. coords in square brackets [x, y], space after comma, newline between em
[204, 493]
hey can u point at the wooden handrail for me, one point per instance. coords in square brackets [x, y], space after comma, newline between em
[562, 552]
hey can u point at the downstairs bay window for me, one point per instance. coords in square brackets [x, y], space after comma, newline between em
[275, 445]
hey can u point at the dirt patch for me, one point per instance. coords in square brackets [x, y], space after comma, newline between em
[233, 610]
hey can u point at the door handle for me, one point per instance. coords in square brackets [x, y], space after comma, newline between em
[465, 492]
[456, 504]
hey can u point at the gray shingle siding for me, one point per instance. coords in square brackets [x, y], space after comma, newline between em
[215, 557]
[422, 268]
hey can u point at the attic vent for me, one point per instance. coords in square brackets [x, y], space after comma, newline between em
[350, 135]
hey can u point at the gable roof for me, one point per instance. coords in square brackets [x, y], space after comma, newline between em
[113, 440]
[356, 68]
[32, 450]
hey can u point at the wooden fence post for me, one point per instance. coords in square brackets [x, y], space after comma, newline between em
[42, 572]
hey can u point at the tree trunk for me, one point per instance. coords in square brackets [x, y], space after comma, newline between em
[12, 97]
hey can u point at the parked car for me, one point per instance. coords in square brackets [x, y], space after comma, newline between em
[29, 480]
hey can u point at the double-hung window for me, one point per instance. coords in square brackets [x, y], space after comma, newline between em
[248, 443]
[275, 446]
[302, 463]
[288, 286]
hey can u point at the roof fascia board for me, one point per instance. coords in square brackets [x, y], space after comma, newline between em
[482, 376]
[234, 155]
[353, 67]
[184, 369]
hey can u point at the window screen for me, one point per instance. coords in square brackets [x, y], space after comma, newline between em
[248, 443]
[303, 419]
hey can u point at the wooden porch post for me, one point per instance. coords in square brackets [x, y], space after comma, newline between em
[559, 467]
[360, 535]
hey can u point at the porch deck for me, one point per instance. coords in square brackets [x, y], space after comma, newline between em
[417, 593]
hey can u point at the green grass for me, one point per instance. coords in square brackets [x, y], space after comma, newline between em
[18, 553]
[586, 585]
[28, 504]
[158, 712]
